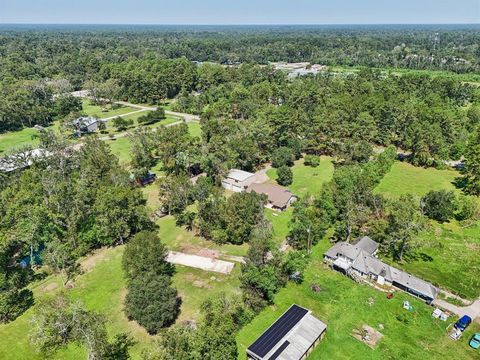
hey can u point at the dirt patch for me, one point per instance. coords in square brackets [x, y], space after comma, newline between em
[473, 247]
[367, 335]
[213, 254]
[201, 284]
[50, 287]
[92, 260]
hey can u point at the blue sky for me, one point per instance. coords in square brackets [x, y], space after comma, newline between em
[240, 11]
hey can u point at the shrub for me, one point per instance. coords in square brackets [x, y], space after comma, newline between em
[467, 208]
[285, 175]
[152, 116]
[439, 205]
[312, 160]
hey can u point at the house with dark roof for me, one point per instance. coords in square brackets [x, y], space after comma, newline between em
[278, 197]
[359, 260]
[292, 337]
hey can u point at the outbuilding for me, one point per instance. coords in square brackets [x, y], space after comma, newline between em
[292, 337]
[238, 180]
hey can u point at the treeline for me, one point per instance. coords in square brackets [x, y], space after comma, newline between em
[430, 118]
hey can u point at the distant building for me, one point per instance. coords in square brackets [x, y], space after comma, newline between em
[292, 337]
[85, 125]
[359, 260]
[238, 180]
[21, 160]
[279, 198]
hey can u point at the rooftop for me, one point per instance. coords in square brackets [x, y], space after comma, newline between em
[239, 175]
[277, 195]
[289, 337]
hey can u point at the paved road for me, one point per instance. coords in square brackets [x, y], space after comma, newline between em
[472, 310]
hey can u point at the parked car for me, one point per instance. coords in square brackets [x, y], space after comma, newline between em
[475, 341]
[463, 323]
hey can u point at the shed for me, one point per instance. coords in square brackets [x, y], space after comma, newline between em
[292, 337]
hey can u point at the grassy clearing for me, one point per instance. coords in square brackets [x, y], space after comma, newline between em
[96, 111]
[307, 179]
[344, 305]
[448, 256]
[195, 286]
[405, 178]
[179, 239]
[195, 129]
[102, 288]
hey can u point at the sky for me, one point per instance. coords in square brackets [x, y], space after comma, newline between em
[227, 12]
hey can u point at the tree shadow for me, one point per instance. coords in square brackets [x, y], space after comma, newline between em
[460, 182]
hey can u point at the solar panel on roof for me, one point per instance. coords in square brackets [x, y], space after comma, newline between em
[277, 353]
[277, 331]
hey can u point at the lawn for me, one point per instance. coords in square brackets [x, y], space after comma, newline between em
[405, 178]
[195, 129]
[179, 239]
[345, 305]
[307, 179]
[96, 111]
[102, 288]
[448, 256]
[121, 148]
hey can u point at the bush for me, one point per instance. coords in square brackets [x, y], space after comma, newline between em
[467, 208]
[152, 302]
[439, 205]
[152, 116]
[285, 175]
[312, 160]
[122, 124]
[283, 156]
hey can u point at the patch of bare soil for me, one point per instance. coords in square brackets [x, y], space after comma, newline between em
[367, 335]
[213, 254]
[50, 287]
[472, 247]
[89, 263]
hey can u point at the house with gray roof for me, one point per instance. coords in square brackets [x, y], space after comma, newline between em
[359, 260]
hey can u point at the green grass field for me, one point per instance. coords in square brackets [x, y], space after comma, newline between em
[445, 254]
[102, 288]
[405, 178]
[179, 239]
[448, 256]
[195, 129]
[307, 179]
[345, 305]
[94, 110]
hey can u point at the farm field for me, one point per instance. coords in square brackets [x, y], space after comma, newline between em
[345, 305]
[405, 178]
[307, 179]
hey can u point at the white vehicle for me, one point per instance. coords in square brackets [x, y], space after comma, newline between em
[456, 334]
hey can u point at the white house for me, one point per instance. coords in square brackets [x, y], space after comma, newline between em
[238, 180]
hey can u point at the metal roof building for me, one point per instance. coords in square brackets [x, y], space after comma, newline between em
[291, 337]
